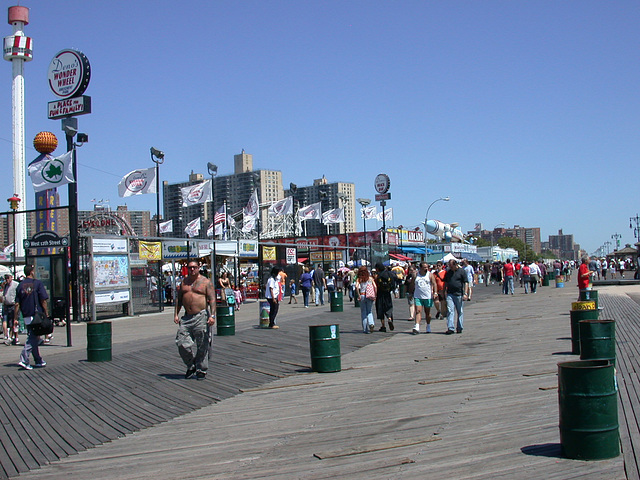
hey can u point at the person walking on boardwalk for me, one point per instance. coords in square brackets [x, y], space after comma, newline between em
[366, 291]
[320, 284]
[30, 297]
[272, 294]
[198, 296]
[410, 284]
[509, 272]
[306, 283]
[456, 287]
[534, 276]
[584, 274]
[426, 289]
[385, 280]
[8, 308]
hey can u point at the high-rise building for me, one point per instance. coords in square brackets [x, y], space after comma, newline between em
[529, 235]
[331, 195]
[564, 246]
[234, 190]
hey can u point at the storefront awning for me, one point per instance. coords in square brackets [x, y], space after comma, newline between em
[418, 250]
[400, 257]
[474, 257]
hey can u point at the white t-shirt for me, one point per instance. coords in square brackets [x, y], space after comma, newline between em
[423, 289]
[272, 283]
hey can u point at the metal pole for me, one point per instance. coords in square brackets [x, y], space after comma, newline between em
[73, 238]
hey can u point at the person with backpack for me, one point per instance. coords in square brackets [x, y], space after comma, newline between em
[366, 293]
[30, 298]
[385, 281]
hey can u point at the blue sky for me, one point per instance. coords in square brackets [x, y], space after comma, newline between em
[523, 112]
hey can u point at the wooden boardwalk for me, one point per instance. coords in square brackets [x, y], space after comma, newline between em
[482, 404]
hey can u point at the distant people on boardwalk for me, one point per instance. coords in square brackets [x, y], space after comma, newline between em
[456, 286]
[292, 291]
[535, 276]
[330, 281]
[441, 299]
[410, 286]
[508, 271]
[426, 290]
[366, 292]
[385, 281]
[197, 295]
[9, 288]
[320, 283]
[468, 268]
[273, 295]
[306, 284]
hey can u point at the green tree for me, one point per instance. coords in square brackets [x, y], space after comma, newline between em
[481, 242]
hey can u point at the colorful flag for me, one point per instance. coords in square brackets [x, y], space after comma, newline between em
[388, 215]
[310, 212]
[369, 213]
[210, 231]
[281, 207]
[166, 227]
[50, 172]
[195, 194]
[193, 227]
[221, 214]
[138, 182]
[333, 216]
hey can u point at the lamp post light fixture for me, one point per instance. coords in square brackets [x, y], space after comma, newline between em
[212, 169]
[157, 157]
[426, 219]
[636, 230]
[13, 204]
[364, 202]
[616, 237]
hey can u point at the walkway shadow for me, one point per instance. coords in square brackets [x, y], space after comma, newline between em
[171, 376]
[552, 450]
[562, 353]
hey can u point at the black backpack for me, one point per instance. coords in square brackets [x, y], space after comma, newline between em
[385, 282]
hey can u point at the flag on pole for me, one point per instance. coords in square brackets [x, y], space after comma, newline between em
[193, 227]
[251, 210]
[388, 215]
[248, 224]
[138, 182]
[50, 172]
[210, 231]
[281, 207]
[220, 215]
[369, 213]
[333, 216]
[195, 194]
[310, 212]
[166, 227]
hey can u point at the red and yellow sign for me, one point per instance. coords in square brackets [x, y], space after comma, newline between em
[269, 253]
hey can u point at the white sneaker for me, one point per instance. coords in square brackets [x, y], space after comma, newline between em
[26, 366]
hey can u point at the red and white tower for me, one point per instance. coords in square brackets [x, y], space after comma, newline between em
[17, 50]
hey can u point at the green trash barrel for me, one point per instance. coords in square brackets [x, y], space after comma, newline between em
[336, 301]
[545, 280]
[598, 340]
[265, 309]
[588, 403]
[552, 275]
[576, 317]
[356, 301]
[324, 343]
[586, 295]
[99, 341]
[225, 321]
[403, 290]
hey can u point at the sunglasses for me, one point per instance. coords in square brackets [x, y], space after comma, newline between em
[192, 267]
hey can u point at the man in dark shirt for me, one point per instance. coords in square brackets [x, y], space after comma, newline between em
[320, 283]
[30, 297]
[457, 289]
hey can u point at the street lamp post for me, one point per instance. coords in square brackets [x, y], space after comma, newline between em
[13, 203]
[293, 188]
[426, 219]
[636, 229]
[157, 157]
[213, 171]
[364, 202]
[616, 237]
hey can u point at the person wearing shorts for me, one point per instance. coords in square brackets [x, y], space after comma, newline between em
[426, 289]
